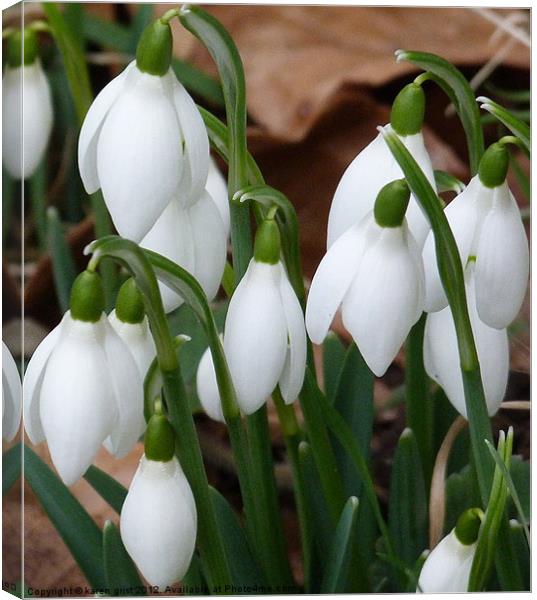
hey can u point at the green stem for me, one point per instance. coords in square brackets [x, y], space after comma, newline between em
[419, 408]
[452, 277]
[103, 228]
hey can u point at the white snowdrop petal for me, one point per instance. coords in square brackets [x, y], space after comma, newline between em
[217, 188]
[77, 405]
[138, 339]
[332, 280]
[127, 387]
[91, 127]
[442, 361]
[33, 124]
[12, 121]
[207, 388]
[33, 378]
[357, 190]
[448, 566]
[502, 266]
[172, 237]
[383, 301]
[292, 376]
[462, 215]
[158, 522]
[11, 396]
[210, 244]
[139, 156]
[255, 336]
[196, 146]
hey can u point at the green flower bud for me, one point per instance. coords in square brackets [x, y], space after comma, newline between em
[267, 242]
[159, 439]
[87, 297]
[391, 203]
[468, 524]
[408, 110]
[154, 51]
[129, 303]
[22, 48]
[493, 166]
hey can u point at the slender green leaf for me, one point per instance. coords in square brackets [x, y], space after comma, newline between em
[511, 487]
[108, 34]
[521, 177]
[453, 81]
[38, 190]
[523, 96]
[407, 505]
[122, 578]
[11, 467]
[315, 421]
[244, 569]
[107, 487]
[515, 125]
[520, 550]
[446, 182]
[354, 402]
[488, 533]
[73, 58]
[194, 583]
[337, 572]
[64, 268]
[333, 357]
[77, 529]
[419, 408]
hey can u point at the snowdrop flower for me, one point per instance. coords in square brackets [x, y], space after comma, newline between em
[375, 166]
[441, 353]
[486, 223]
[195, 238]
[264, 334]
[82, 386]
[130, 323]
[374, 272]
[216, 187]
[11, 396]
[158, 520]
[143, 141]
[26, 126]
[448, 566]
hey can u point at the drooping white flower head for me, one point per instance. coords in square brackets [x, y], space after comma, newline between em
[264, 334]
[375, 166]
[447, 568]
[441, 353]
[194, 237]
[11, 396]
[26, 108]
[159, 519]
[216, 187]
[374, 272]
[486, 224]
[129, 321]
[82, 387]
[143, 141]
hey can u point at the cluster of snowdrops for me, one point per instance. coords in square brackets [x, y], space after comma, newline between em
[144, 144]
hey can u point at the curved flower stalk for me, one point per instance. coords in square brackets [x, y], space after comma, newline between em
[264, 334]
[129, 321]
[26, 126]
[11, 396]
[486, 223]
[441, 355]
[82, 387]
[143, 141]
[159, 518]
[375, 166]
[448, 566]
[374, 272]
